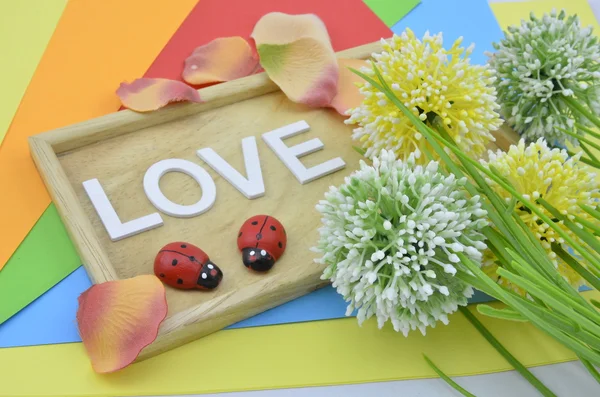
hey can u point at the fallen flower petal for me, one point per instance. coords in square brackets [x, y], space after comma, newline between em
[296, 53]
[117, 319]
[145, 94]
[223, 59]
[348, 93]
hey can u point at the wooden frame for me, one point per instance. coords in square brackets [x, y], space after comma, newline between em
[216, 313]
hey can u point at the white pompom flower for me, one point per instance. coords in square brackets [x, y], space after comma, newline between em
[390, 238]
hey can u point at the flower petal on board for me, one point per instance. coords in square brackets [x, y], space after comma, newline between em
[296, 53]
[223, 59]
[348, 94]
[117, 319]
[145, 94]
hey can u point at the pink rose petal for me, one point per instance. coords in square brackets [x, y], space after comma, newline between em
[296, 53]
[348, 94]
[145, 94]
[223, 59]
[117, 319]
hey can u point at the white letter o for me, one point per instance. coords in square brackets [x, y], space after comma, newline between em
[162, 203]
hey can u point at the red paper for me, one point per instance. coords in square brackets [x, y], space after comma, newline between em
[350, 23]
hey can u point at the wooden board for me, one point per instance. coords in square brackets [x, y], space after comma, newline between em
[118, 149]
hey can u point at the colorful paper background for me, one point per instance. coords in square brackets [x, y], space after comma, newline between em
[24, 35]
[198, 28]
[336, 346]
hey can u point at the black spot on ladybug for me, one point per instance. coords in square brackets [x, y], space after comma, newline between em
[255, 223]
[240, 235]
[183, 246]
[259, 236]
[280, 245]
[192, 258]
[174, 263]
[162, 274]
[179, 281]
[273, 228]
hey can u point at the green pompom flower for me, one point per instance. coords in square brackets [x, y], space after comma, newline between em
[540, 63]
[389, 239]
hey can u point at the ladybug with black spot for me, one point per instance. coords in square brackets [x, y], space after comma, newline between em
[185, 266]
[262, 240]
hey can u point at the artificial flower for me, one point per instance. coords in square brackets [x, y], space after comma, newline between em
[540, 63]
[390, 236]
[440, 86]
[537, 171]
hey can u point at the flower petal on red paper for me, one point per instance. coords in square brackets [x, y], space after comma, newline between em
[145, 94]
[117, 319]
[348, 94]
[296, 53]
[223, 59]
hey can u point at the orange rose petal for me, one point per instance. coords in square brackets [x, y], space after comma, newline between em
[223, 59]
[348, 94]
[117, 319]
[144, 95]
[296, 53]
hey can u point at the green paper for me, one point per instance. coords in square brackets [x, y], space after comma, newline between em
[44, 258]
[391, 11]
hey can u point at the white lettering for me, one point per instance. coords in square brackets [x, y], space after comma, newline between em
[251, 187]
[290, 155]
[116, 229]
[160, 201]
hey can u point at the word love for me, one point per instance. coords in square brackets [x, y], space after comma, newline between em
[251, 185]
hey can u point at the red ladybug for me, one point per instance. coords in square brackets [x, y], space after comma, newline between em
[262, 240]
[185, 266]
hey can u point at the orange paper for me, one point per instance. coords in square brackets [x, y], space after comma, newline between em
[85, 52]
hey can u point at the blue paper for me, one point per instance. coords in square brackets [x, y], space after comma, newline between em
[51, 318]
[471, 19]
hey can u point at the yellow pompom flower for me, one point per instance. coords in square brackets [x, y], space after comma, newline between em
[538, 171]
[440, 86]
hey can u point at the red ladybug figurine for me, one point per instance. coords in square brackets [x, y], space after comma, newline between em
[185, 266]
[262, 240]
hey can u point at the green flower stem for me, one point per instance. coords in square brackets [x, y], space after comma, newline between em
[594, 228]
[503, 314]
[568, 259]
[592, 211]
[573, 104]
[548, 288]
[447, 379]
[580, 138]
[512, 301]
[551, 300]
[506, 354]
[585, 160]
[587, 130]
[588, 152]
[589, 238]
[591, 369]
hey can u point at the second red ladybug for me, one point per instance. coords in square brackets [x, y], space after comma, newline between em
[262, 240]
[185, 266]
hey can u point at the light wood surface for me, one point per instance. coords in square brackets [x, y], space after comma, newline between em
[118, 149]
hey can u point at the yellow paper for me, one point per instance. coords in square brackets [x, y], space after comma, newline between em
[306, 354]
[512, 13]
[25, 29]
